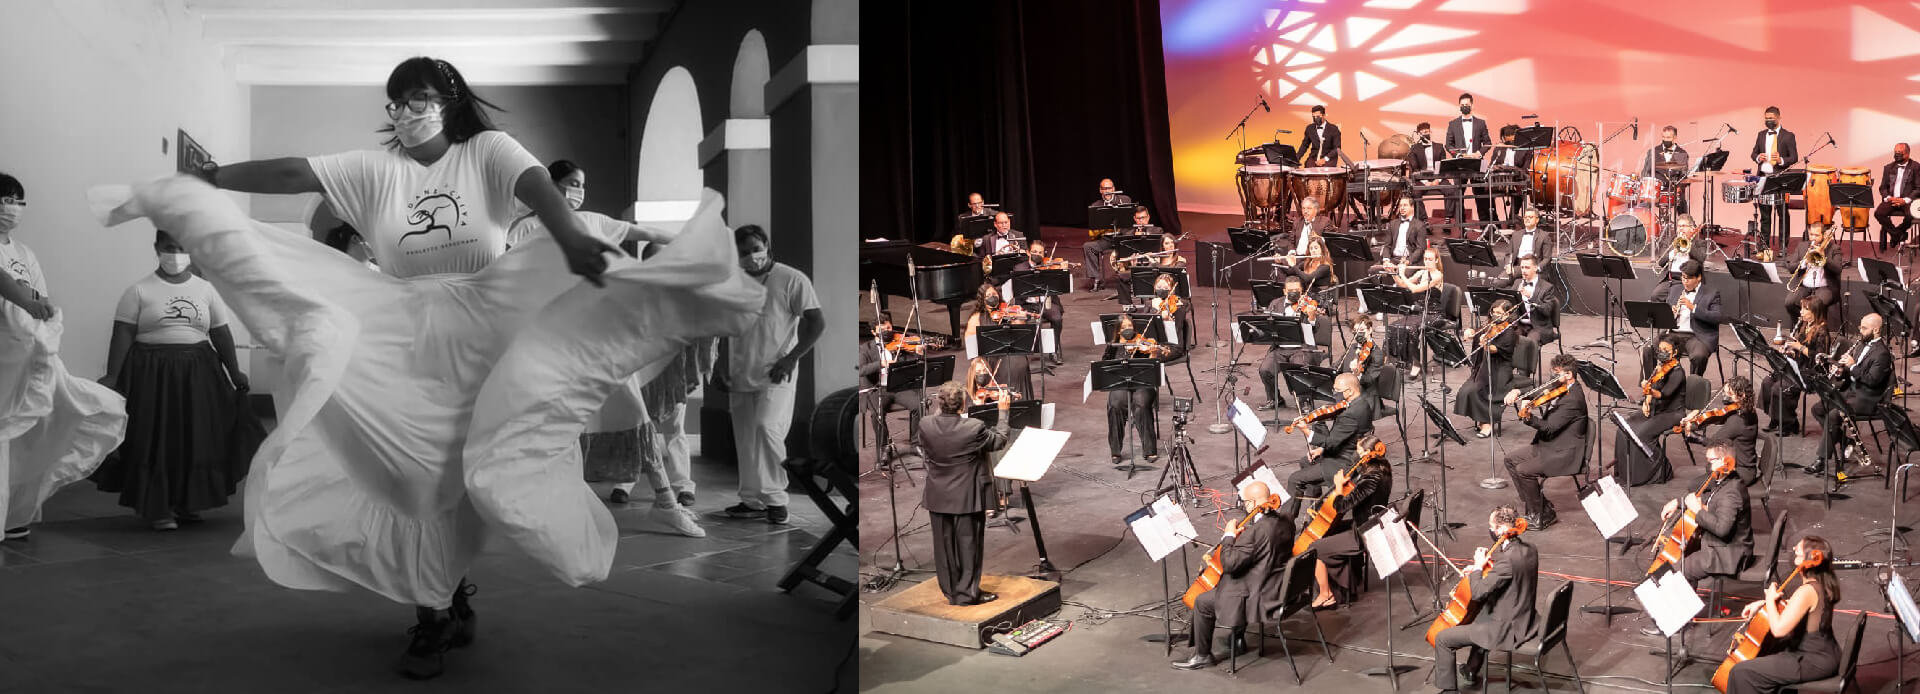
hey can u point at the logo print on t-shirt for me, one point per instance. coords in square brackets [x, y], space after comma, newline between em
[181, 310]
[20, 274]
[436, 211]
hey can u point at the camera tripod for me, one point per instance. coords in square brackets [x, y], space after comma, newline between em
[1180, 464]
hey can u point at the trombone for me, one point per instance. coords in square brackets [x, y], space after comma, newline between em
[1812, 261]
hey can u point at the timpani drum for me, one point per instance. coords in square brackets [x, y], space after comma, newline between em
[1263, 192]
[1569, 171]
[1327, 184]
[1819, 205]
[1853, 217]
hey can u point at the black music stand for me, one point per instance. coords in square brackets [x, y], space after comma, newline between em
[1850, 196]
[1534, 137]
[1141, 279]
[1483, 299]
[1713, 161]
[996, 340]
[1148, 324]
[1309, 383]
[1608, 267]
[1752, 342]
[1748, 272]
[1784, 183]
[1247, 242]
[1657, 315]
[1265, 292]
[1460, 166]
[1020, 413]
[1878, 273]
[1440, 421]
[1136, 244]
[919, 373]
[1599, 379]
[1112, 217]
[1003, 263]
[1446, 347]
[1349, 247]
[1388, 299]
[1820, 385]
[1128, 374]
[1028, 284]
[1284, 155]
[1472, 253]
[978, 225]
[1270, 330]
[1893, 321]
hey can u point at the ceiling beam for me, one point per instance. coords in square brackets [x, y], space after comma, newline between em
[477, 75]
[212, 7]
[303, 55]
[428, 28]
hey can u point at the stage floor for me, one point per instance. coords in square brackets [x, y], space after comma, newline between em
[1112, 589]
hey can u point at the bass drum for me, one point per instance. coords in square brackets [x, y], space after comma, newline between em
[1568, 170]
[1397, 147]
[831, 430]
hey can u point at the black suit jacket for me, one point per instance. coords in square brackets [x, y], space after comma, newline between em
[1542, 251]
[1457, 134]
[959, 476]
[1742, 429]
[1560, 433]
[1655, 156]
[1705, 321]
[1356, 420]
[1726, 526]
[1789, 155]
[1310, 148]
[1376, 358]
[1908, 188]
[983, 246]
[1521, 159]
[1250, 569]
[1872, 374]
[1545, 302]
[1423, 160]
[870, 362]
[1416, 236]
[1506, 594]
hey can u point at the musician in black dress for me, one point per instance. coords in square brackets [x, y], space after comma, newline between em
[1250, 562]
[1467, 137]
[1804, 620]
[1338, 570]
[1424, 285]
[1778, 394]
[1015, 370]
[1493, 365]
[1314, 268]
[1320, 142]
[958, 487]
[1868, 369]
[1818, 284]
[1559, 442]
[1096, 249]
[1539, 302]
[1506, 618]
[1139, 404]
[1692, 248]
[1774, 152]
[1665, 407]
[1735, 423]
[1295, 304]
[1331, 442]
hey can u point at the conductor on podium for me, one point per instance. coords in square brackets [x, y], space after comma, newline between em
[959, 483]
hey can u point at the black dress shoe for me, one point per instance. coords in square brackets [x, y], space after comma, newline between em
[1771, 427]
[986, 598]
[1543, 522]
[466, 622]
[1198, 661]
[1469, 678]
[425, 657]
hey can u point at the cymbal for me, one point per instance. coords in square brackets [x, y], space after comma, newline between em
[1670, 166]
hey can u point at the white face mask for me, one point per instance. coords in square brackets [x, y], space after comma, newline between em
[575, 196]
[758, 261]
[174, 263]
[415, 128]
[10, 217]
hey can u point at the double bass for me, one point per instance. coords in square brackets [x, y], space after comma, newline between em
[1323, 517]
[1461, 607]
[1686, 523]
[1755, 637]
[1211, 569]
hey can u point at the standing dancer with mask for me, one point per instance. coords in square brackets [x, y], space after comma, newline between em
[190, 433]
[54, 428]
[443, 402]
[760, 376]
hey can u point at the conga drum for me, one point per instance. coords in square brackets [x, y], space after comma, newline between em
[1568, 171]
[1819, 206]
[1327, 184]
[1262, 191]
[1854, 217]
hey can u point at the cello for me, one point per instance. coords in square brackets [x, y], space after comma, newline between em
[1755, 638]
[1324, 516]
[1461, 608]
[1211, 569]
[1686, 523]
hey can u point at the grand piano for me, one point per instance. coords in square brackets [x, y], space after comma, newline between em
[944, 277]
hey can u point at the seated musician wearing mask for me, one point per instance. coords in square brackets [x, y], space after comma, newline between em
[1691, 248]
[1331, 442]
[1869, 373]
[1250, 558]
[1337, 570]
[1495, 366]
[1320, 142]
[1662, 405]
[1141, 404]
[1167, 257]
[1295, 304]
[1559, 441]
[1723, 544]
[878, 354]
[992, 309]
[958, 485]
[1818, 283]
[1696, 310]
[1096, 250]
[1667, 152]
[1899, 184]
[1364, 357]
[1735, 423]
[1405, 233]
[1506, 618]
[1176, 311]
[1780, 396]
[1052, 310]
[1539, 302]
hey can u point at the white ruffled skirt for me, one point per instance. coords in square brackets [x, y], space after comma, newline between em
[54, 428]
[425, 412]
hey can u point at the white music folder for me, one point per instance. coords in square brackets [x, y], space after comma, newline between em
[1031, 455]
[1609, 507]
[1669, 600]
[1389, 544]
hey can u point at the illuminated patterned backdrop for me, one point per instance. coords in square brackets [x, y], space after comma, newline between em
[1381, 66]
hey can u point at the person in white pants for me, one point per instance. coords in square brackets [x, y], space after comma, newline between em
[666, 398]
[760, 376]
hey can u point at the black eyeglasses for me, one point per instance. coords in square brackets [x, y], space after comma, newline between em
[416, 104]
[11, 200]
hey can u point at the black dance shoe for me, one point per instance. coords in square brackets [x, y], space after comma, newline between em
[466, 622]
[432, 637]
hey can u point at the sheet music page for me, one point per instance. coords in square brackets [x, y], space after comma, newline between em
[1669, 600]
[1172, 331]
[1099, 336]
[1032, 453]
[1903, 604]
[1046, 339]
[1153, 534]
[1237, 339]
[1046, 415]
[973, 347]
[1086, 389]
[1247, 422]
[1609, 507]
[1308, 333]
[1773, 272]
[1389, 544]
[1261, 473]
[1170, 512]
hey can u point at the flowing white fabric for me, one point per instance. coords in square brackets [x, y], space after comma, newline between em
[424, 410]
[54, 428]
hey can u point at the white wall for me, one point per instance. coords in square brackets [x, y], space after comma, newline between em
[92, 88]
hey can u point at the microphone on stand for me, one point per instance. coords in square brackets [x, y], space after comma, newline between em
[1263, 104]
[1636, 127]
[1730, 129]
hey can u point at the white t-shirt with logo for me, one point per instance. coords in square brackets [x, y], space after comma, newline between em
[20, 262]
[789, 294]
[448, 217]
[165, 313]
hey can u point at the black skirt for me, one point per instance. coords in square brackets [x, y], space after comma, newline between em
[190, 434]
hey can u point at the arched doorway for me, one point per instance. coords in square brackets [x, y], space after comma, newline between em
[748, 167]
[667, 189]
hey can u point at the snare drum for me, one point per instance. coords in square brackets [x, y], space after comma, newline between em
[1262, 191]
[1736, 192]
[1327, 184]
[1854, 217]
[1819, 206]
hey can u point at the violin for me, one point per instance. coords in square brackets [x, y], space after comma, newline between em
[1492, 331]
[1685, 524]
[1461, 608]
[1360, 359]
[1755, 637]
[1324, 516]
[1647, 388]
[907, 343]
[1546, 399]
[1168, 306]
[1046, 263]
[1212, 569]
[1317, 415]
[1706, 416]
[1008, 312]
[1142, 343]
[992, 394]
